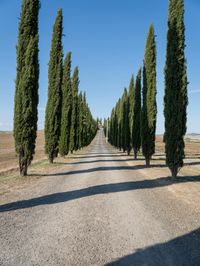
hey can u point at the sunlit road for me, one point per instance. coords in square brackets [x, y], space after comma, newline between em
[99, 211]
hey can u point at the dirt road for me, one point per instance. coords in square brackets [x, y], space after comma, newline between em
[99, 211]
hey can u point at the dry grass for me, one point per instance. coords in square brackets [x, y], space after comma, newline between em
[8, 157]
[192, 148]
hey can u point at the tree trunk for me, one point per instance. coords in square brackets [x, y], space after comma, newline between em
[51, 159]
[135, 154]
[174, 172]
[23, 167]
[147, 161]
[128, 151]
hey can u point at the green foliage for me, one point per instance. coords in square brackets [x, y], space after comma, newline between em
[80, 121]
[89, 125]
[125, 123]
[113, 131]
[73, 145]
[84, 121]
[149, 108]
[66, 107]
[105, 128]
[83, 126]
[175, 99]
[26, 93]
[53, 108]
[119, 124]
[119, 129]
[131, 107]
[136, 126]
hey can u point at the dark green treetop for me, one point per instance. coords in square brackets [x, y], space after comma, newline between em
[125, 122]
[74, 117]
[26, 93]
[149, 108]
[53, 108]
[66, 107]
[175, 99]
[131, 107]
[136, 126]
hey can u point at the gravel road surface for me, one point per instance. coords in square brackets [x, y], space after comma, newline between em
[99, 211]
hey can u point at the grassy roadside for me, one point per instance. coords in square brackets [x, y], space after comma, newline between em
[36, 170]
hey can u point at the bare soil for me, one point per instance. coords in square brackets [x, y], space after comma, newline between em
[8, 157]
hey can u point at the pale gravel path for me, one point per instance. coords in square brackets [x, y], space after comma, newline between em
[100, 211]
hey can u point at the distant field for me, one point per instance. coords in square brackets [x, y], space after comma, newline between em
[8, 158]
[192, 152]
[192, 145]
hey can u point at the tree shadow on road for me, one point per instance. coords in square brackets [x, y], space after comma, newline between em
[94, 155]
[183, 250]
[126, 160]
[100, 161]
[101, 169]
[91, 191]
[192, 163]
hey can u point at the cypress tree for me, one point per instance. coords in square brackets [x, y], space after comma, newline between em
[66, 107]
[136, 133]
[115, 125]
[105, 127]
[149, 109]
[119, 112]
[74, 117]
[111, 128]
[84, 132]
[125, 123]
[131, 107]
[175, 99]
[80, 121]
[26, 93]
[53, 108]
[90, 126]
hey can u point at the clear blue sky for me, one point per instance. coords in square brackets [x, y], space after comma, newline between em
[107, 40]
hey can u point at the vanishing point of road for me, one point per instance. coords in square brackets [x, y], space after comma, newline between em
[99, 211]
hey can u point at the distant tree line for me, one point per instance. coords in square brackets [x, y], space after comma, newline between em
[132, 123]
[69, 124]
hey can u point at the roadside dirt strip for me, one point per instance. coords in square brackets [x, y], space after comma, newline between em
[102, 209]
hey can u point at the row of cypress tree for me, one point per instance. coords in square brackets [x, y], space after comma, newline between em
[132, 123]
[69, 124]
[132, 126]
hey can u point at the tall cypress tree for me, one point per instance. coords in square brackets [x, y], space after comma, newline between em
[136, 133]
[125, 122]
[84, 131]
[131, 108]
[80, 121]
[53, 108]
[26, 94]
[175, 99]
[74, 117]
[66, 107]
[120, 130]
[149, 109]
[111, 133]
